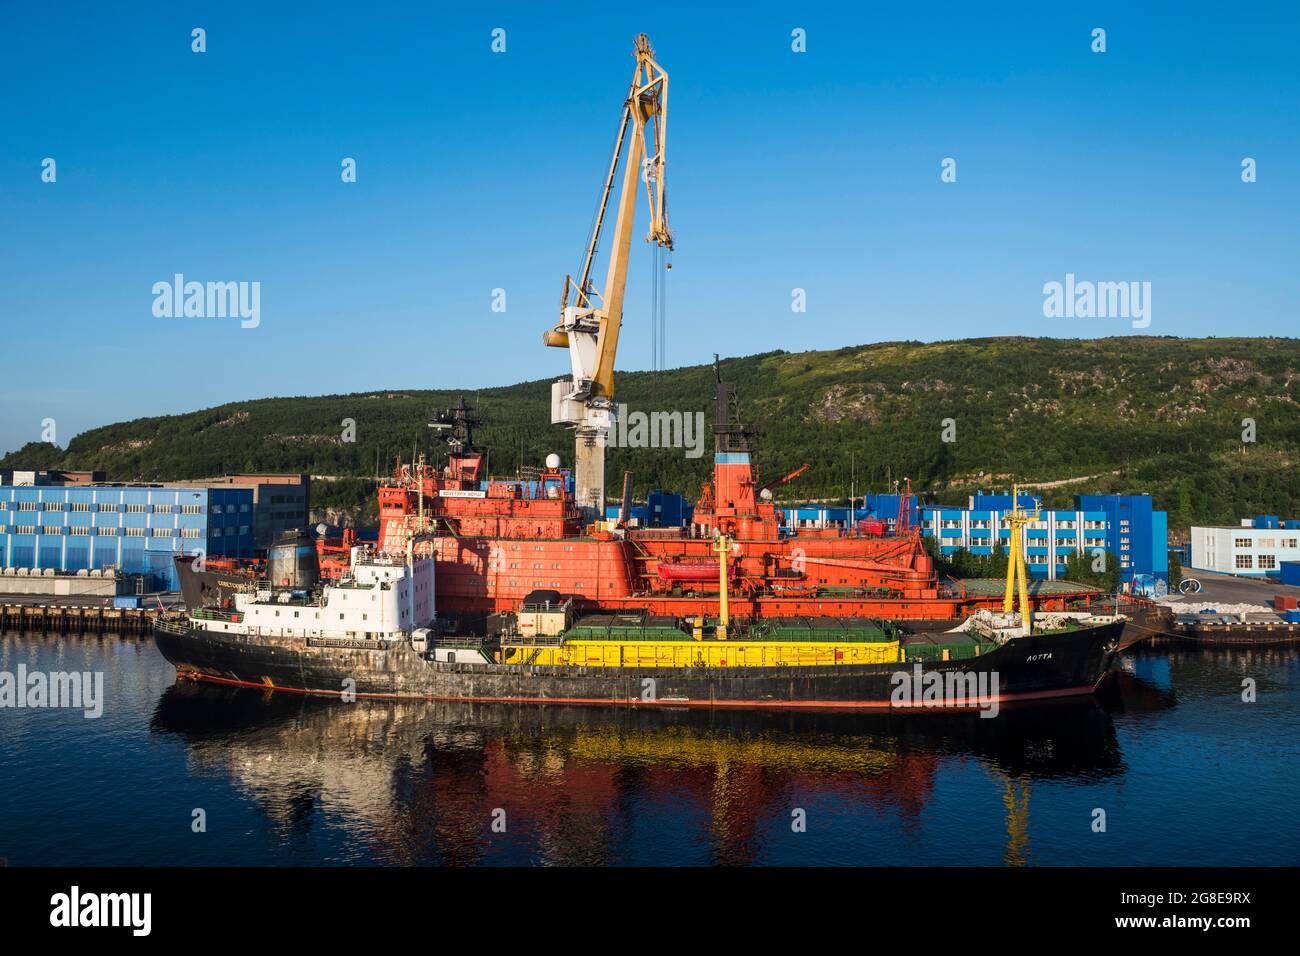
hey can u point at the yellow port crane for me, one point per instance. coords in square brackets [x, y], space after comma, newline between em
[590, 318]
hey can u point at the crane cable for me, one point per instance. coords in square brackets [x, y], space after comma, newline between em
[654, 307]
[658, 308]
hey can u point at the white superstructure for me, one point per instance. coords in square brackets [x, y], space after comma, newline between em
[382, 598]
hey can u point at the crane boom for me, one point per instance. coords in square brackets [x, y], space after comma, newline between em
[787, 479]
[590, 318]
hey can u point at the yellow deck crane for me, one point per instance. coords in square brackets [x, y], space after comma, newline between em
[590, 318]
[1018, 518]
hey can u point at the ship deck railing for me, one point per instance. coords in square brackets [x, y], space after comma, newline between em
[177, 624]
[216, 614]
[462, 640]
[353, 643]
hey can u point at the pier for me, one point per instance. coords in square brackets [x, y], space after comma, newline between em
[1251, 633]
[75, 618]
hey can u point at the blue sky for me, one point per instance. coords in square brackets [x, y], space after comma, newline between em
[479, 171]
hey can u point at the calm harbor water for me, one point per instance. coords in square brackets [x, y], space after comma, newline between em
[1185, 772]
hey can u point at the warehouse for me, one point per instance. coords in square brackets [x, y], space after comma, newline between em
[1257, 548]
[1124, 526]
[136, 528]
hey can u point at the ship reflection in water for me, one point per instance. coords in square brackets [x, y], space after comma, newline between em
[438, 782]
[1185, 771]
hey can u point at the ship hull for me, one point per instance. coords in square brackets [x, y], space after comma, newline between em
[208, 587]
[1031, 668]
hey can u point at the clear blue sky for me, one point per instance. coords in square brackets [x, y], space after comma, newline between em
[479, 170]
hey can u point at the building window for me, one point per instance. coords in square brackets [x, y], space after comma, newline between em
[1244, 561]
[107, 507]
[162, 509]
[106, 532]
[134, 532]
[53, 506]
[189, 532]
[1268, 561]
[26, 506]
[163, 532]
[77, 530]
[1290, 542]
[191, 509]
[52, 530]
[25, 529]
[81, 506]
[135, 509]
[1266, 543]
[1241, 542]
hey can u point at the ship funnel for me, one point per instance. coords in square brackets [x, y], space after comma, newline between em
[292, 562]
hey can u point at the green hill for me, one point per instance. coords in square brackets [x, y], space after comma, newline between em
[1157, 415]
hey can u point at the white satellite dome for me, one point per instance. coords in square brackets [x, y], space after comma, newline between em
[552, 460]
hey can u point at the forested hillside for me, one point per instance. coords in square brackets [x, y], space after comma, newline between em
[1160, 415]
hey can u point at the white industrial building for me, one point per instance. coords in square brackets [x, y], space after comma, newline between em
[1247, 550]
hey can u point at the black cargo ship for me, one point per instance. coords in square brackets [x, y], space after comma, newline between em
[1022, 668]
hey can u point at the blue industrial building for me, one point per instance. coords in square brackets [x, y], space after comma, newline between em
[1125, 526]
[881, 507]
[1137, 533]
[663, 509]
[138, 529]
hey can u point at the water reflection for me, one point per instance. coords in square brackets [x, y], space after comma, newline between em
[287, 779]
[419, 783]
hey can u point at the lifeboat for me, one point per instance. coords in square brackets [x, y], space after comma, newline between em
[690, 571]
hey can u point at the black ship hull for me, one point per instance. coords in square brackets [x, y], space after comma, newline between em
[1037, 667]
[208, 587]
